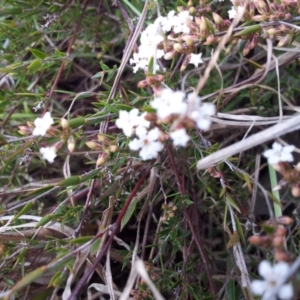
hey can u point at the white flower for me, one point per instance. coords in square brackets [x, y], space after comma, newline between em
[180, 137]
[147, 142]
[149, 40]
[129, 121]
[177, 23]
[48, 153]
[232, 12]
[273, 278]
[279, 153]
[200, 112]
[180, 22]
[42, 124]
[169, 103]
[196, 59]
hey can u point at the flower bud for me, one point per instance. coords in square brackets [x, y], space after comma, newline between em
[71, 143]
[25, 130]
[247, 48]
[171, 214]
[298, 167]
[285, 220]
[217, 19]
[102, 159]
[151, 117]
[192, 10]
[197, 20]
[261, 6]
[64, 123]
[30, 124]
[164, 206]
[190, 3]
[142, 84]
[280, 231]
[255, 240]
[296, 191]
[113, 148]
[287, 39]
[260, 18]
[102, 139]
[170, 55]
[278, 241]
[93, 145]
[211, 40]
[204, 31]
[254, 41]
[189, 40]
[271, 32]
[287, 16]
[178, 48]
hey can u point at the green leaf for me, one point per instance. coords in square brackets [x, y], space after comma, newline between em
[232, 203]
[233, 240]
[73, 180]
[56, 279]
[98, 75]
[29, 278]
[39, 191]
[23, 4]
[34, 65]
[81, 240]
[11, 11]
[230, 290]
[23, 211]
[239, 229]
[95, 246]
[150, 65]
[104, 67]
[248, 30]
[210, 27]
[74, 123]
[123, 106]
[38, 54]
[44, 220]
[129, 212]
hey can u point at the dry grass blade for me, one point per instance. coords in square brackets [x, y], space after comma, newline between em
[256, 139]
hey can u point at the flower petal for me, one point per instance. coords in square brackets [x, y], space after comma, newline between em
[286, 292]
[258, 287]
[265, 269]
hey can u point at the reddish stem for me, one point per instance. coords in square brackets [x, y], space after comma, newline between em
[114, 230]
[195, 235]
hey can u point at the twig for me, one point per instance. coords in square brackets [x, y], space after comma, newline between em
[256, 139]
[127, 54]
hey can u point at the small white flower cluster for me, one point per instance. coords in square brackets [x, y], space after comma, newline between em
[176, 108]
[42, 125]
[171, 108]
[273, 279]
[147, 140]
[234, 10]
[155, 34]
[176, 23]
[279, 153]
